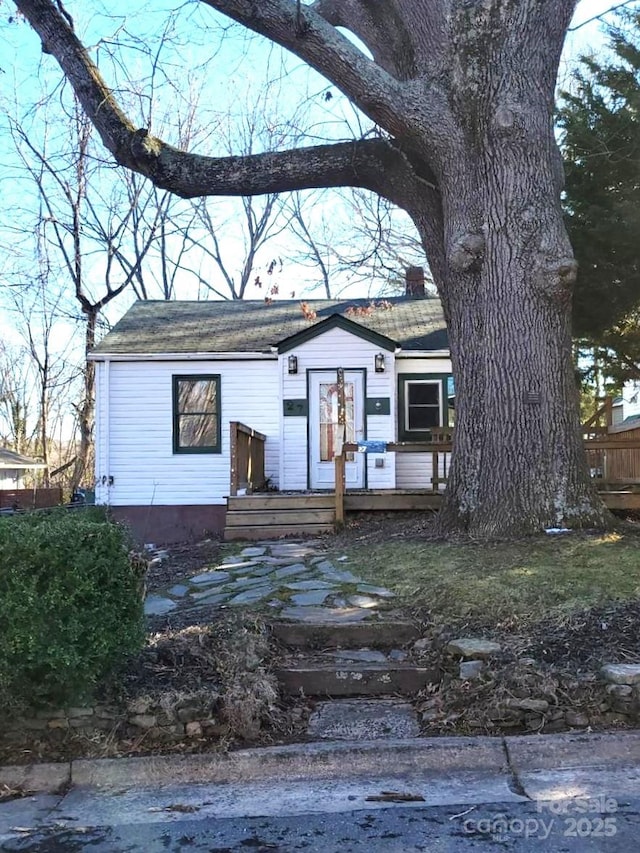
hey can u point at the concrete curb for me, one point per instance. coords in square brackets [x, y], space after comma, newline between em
[568, 751]
[442, 757]
[40, 778]
[311, 761]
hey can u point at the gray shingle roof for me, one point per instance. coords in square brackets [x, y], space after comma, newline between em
[156, 327]
[11, 459]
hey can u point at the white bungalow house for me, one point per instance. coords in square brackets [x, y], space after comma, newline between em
[172, 377]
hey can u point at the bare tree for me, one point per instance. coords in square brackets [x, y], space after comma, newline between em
[360, 240]
[462, 93]
[78, 220]
[37, 312]
[16, 397]
[235, 237]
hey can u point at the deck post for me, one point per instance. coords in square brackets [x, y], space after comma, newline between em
[435, 471]
[340, 489]
[233, 451]
[339, 460]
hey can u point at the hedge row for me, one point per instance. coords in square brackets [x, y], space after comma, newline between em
[70, 606]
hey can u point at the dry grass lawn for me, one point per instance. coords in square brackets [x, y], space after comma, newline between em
[523, 581]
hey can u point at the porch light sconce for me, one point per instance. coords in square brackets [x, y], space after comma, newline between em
[293, 363]
[379, 362]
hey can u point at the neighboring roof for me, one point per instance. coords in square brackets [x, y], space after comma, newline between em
[630, 422]
[11, 459]
[241, 326]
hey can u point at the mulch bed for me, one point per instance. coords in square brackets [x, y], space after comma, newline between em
[184, 561]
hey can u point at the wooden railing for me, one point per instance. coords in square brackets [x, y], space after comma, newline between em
[439, 450]
[247, 458]
[614, 462]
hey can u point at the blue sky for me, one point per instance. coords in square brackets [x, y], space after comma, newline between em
[241, 63]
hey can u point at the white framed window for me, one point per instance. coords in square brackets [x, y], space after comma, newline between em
[423, 405]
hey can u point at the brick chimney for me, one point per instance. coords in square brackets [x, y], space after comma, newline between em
[414, 277]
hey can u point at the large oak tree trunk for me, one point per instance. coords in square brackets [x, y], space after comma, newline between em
[518, 464]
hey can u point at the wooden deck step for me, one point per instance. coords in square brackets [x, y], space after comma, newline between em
[355, 679]
[262, 518]
[271, 531]
[345, 635]
[369, 502]
[621, 500]
[280, 501]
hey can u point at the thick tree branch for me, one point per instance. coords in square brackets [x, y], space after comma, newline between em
[361, 164]
[410, 110]
[59, 39]
[379, 26]
[365, 163]
[308, 35]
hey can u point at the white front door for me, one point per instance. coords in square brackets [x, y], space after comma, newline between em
[324, 432]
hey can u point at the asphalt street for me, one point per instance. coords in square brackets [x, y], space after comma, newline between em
[495, 826]
[577, 792]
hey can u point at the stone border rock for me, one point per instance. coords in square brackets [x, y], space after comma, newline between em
[165, 718]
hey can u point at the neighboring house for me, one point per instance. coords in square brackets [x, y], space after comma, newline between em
[626, 408]
[13, 467]
[622, 465]
[171, 376]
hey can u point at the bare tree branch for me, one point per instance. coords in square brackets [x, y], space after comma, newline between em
[308, 35]
[602, 15]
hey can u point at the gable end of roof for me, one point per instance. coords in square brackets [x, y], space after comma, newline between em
[337, 321]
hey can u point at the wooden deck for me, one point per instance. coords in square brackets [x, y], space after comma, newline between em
[613, 457]
[262, 516]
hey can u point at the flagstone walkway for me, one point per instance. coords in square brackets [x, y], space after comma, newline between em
[296, 579]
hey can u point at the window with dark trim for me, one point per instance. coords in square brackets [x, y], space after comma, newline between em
[196, 414]
[422, 401]
[422, 405]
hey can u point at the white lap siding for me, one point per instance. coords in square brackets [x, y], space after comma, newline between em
[328, 351]
[135, 417]
[415, 470]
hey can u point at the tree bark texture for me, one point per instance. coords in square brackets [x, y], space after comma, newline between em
[462, 91]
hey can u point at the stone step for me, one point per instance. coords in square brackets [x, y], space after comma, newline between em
[363, 719]
[381, 634]
[354, 679]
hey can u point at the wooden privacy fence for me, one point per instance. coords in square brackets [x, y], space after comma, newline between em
[30, 498]
[614, 461]
[247, 458]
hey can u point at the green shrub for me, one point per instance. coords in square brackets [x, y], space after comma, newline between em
[70, 606]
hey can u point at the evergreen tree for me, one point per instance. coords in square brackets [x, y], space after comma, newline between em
[600, 119]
